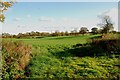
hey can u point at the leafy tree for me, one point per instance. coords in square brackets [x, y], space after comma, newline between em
[62, 34]
[20, 35]
[6, 35]
[74, 32]
[83, 30]
[4, 6]
[33, 33]
[66, 33]
[94, 30]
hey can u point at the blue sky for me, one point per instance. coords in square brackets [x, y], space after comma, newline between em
[51, 16]
[65, 0]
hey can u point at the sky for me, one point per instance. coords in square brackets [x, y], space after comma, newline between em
[51, 16]
[64, 0]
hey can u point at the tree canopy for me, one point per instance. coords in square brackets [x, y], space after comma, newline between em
[94, 30]
[4, 6]
[83, 30]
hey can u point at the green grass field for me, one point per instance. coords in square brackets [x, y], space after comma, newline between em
[54, 57]
[61, 40]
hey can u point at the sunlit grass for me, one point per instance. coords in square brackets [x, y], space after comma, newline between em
[52, 57]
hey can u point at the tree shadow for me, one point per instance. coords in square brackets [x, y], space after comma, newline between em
[94, 49]
[80, 51]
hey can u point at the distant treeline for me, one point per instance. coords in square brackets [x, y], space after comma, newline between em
[82, 31]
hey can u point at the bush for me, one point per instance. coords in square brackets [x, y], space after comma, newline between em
[15, 57]
[109, 43]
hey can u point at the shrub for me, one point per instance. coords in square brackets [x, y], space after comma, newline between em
[109, 43]
[110, 36]
[15, 57]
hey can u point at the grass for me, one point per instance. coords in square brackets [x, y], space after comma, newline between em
[57, 40]
[55, 57]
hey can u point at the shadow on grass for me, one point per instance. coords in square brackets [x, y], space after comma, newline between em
[81, 51]
[94, 49]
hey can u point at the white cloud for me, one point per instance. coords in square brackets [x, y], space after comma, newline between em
[113, 13]
[17, 19]
[44, 18]
[65, 24]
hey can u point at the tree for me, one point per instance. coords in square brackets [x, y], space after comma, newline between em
[20, 35]
[94, 30]
[4, 6]
[56, 33]
[62, 34]
[6, 35]
[83, 30]
[74, 32]
[32, 33]
[66, 33]
[106, 24]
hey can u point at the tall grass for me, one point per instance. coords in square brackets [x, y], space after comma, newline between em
[15, 57]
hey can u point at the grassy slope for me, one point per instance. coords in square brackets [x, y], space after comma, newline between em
[51, 58]
[58, 40]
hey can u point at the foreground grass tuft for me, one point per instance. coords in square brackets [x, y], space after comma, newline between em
[15, 57]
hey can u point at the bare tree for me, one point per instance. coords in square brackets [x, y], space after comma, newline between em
[106, 24]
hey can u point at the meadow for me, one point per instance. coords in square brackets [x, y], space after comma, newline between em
[69, 57]
[93, 54]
